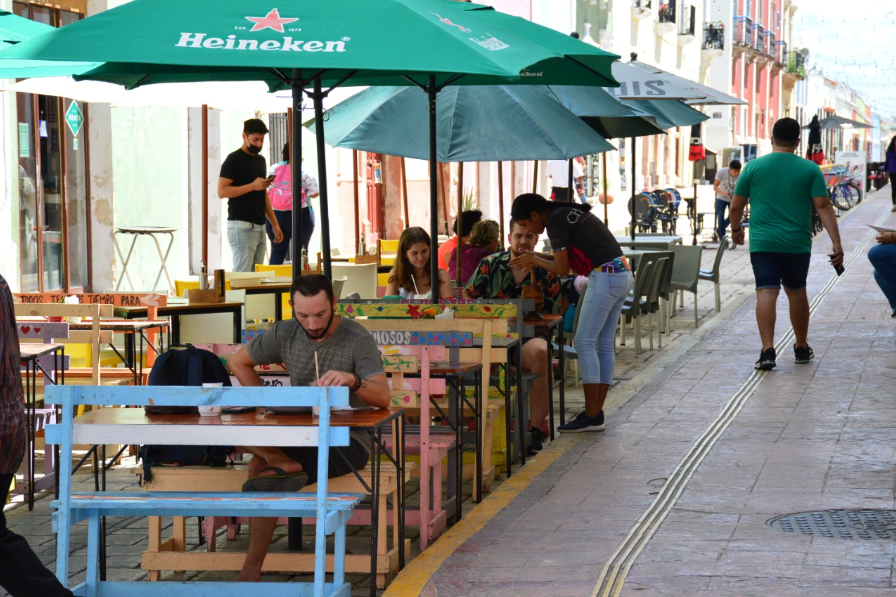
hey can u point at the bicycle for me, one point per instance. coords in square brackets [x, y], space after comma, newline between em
[845, 192]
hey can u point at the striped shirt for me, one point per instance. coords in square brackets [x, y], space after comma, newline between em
[12, 405]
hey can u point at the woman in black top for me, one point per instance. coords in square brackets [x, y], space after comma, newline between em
[581, 242]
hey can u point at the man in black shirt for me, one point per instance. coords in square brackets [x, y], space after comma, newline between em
[243, 182]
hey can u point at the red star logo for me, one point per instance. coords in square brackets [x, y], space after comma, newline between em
[270, 21]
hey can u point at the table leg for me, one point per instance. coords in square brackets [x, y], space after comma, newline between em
[164, 267]
[400, 509]
[455, 465]
[551, 388]
[375, 436]
[175, 328]
[480, 419]
[508, 439]
[520, 407]
[31, 418]
[278, 307]
[124, 264]
[562, 377]
[237, 325]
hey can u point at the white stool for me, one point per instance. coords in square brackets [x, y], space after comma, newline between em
[150, 231]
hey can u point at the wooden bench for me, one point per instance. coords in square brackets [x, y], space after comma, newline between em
[331, 510]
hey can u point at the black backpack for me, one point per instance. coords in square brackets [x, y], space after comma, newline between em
[184, 365]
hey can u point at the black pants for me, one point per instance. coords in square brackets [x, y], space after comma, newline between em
[892, 178]
[560, 194]
[341, 461]
[21, 572]
[280, 251]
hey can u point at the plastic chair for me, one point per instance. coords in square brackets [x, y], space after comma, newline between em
[686, 273]
[337, 286]
[360, 278]
[713, 274]
[651, 302]
[386, 251]
[632, 306]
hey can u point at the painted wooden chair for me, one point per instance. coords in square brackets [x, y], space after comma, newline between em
[331, 510]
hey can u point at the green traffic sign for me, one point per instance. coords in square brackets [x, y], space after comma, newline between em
[74, 118]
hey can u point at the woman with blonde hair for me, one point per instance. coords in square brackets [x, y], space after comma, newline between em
[410, 278]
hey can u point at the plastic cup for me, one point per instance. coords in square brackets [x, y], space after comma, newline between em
[209, 411]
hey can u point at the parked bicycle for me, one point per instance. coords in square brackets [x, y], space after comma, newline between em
[845, 191]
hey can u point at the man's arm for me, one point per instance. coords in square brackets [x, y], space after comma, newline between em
[736, 213]
[226, 190]
[825, 210]
[717, 187]
[374, 390]
[275, 225]
[557, 263]
[243, 368]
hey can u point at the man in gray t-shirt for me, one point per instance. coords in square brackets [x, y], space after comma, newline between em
[726, 180]
[347, 356]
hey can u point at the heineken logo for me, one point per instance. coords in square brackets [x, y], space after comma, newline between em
[488, 41]
[273, 21]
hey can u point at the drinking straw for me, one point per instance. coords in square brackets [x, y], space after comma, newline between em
[415, 284]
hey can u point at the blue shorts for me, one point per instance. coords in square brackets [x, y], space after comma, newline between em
[772, 270]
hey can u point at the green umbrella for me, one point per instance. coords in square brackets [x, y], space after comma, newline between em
[427, 43]
[670, 114]
[476, 124]
[610, 117]
[15, 29]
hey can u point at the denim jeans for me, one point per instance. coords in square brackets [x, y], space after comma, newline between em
[595, 340]
[721, 221]
[247, 243]
[280, 251]
[883, 258]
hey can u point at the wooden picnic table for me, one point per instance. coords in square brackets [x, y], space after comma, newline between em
[178, 310]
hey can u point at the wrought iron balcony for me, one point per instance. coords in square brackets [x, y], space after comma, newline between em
[795, 64]
[641, 9]
[666, 13]
[780, 51]
[760, 39]
[743, 31]
[642, 4]
[713, 36]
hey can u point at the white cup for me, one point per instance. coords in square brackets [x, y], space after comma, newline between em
[210, 411]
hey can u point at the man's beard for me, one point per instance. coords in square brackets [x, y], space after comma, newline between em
[322, 333]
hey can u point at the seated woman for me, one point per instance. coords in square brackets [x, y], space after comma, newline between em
[883, 258]
[483, 242]
[410, 277]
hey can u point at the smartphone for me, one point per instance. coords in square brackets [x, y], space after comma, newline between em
[839, 269]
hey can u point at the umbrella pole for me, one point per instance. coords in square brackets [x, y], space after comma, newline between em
[205, 186]
[357, 202]
[404, 189]
[634, 188]
[433, 191]
[460, 220]
[606, 208]
[501, 200]
[535, 178]
[322, 177]
[571, 189]
[296, 172]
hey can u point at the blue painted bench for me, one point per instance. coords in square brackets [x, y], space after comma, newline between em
[126, 426]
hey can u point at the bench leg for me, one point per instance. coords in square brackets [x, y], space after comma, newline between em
[155, 542]
[93, 555]
[179, 535]
[338, 556]
[382, 529]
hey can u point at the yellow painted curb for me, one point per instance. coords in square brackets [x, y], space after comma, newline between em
[413, 579]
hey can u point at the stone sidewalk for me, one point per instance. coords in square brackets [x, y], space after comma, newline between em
[675, 496]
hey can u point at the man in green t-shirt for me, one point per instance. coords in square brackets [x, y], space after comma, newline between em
[782, 188]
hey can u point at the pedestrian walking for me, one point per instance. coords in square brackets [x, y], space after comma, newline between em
[21, 572]
[280, 193]
[883, 258]
[891, 170]
[243, 182]
[782, 189]
[558, 172]
[724, 184]
[580, 241]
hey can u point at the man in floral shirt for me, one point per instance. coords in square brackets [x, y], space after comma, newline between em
[494, 278]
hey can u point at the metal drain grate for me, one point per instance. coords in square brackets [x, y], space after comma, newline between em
[861, 525]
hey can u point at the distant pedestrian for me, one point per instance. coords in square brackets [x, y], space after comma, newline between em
[724, 184]
[891, 170]
[243, 182]
[484, 240]
[580, 241]
[558, 172]
[21, 572]
[280, 193]
[782, 189]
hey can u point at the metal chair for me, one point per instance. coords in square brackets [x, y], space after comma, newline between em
[650, 304]
[713, 274]
[632, 305]
[686, 273]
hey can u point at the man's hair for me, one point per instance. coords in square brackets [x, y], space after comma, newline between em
[574, 34]
[311, 285]
[735, 165]
[285, 153]
[468, 219]
[786, 132]
[254, 125]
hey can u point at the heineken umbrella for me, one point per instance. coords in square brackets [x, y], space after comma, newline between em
[476, 124]
[426, 43]
[702, 95]
[15, 29]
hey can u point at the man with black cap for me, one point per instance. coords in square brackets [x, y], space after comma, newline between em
[243, 182]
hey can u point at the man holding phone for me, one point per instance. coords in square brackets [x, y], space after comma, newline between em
[243, 182]
[782, 189]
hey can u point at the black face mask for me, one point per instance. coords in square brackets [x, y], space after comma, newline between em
[322, 333]
[253, 149]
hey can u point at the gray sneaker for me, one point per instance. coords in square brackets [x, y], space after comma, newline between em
[803, 354]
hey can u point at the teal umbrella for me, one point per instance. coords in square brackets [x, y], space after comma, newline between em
[429, 44]
[15, 29]
[476, 124]
[670, 114]
[610, 117]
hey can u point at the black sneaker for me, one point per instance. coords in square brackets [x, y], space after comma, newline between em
[537, 443]
[803, 354]
[766, 360]
[583, 422]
